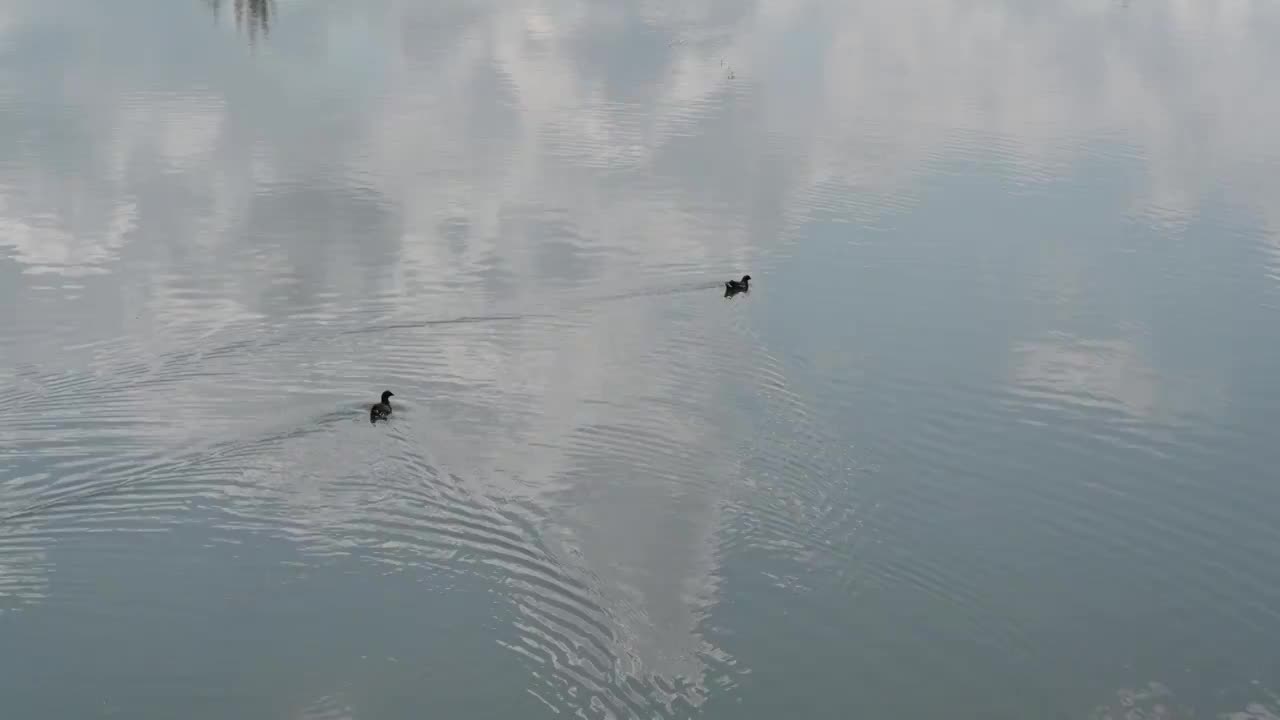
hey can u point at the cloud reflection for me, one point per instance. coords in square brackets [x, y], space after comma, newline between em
[476, 158]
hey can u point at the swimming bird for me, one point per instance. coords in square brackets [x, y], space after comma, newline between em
[732, 287]
[382, 410]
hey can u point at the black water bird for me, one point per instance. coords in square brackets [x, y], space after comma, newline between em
[733, 287]
[382, 410]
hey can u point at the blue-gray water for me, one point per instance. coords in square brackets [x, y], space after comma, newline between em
[994, 435]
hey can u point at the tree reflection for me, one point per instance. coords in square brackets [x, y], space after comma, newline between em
[253, 16]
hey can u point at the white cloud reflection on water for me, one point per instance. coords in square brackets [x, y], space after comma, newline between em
[879, 96]
[621, 120]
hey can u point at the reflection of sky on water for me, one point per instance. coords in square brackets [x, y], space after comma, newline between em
[474, 122]
[443, 160]
[22, 575]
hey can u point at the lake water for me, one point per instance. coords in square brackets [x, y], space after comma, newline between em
[995, 434]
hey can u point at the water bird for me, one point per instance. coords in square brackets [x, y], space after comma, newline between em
[733, 287]
[382, 410]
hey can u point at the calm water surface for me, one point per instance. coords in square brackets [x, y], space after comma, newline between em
[993, 436]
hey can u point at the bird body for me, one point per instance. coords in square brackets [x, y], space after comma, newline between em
[382, 410]
[732, 287]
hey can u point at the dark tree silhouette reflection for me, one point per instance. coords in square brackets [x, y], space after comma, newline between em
[252, 16]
